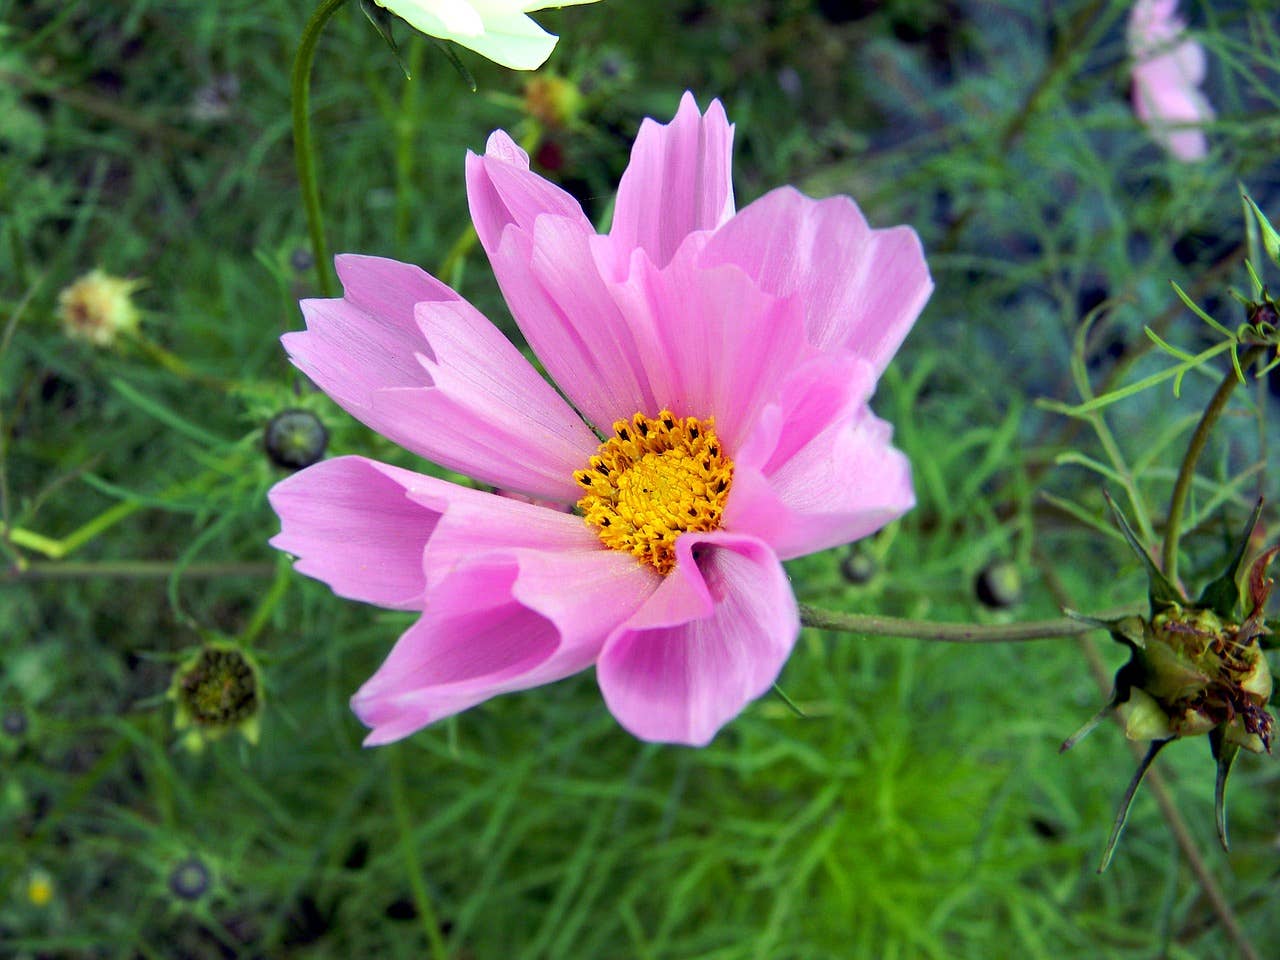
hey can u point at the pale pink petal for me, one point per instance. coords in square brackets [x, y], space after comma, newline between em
[711, 639]
[473, 642]
[571, 320]
[1167, 72]
[862, 289]
[367, 340]
[351, 524]
[678, 181]
[488, 413]
[712, 343]
[439, 379]
[502, 190]
[844, 484]
[501, 616]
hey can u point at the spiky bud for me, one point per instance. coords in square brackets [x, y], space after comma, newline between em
[1194, 669]
[215, 691]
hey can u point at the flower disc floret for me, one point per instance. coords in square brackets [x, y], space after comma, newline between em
[653, 480]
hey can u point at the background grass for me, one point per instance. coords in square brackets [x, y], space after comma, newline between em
[920, 808]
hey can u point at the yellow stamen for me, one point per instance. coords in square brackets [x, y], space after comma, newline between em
[653, 480]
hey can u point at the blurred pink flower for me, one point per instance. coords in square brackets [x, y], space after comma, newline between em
[1167, 72]
[727, 357]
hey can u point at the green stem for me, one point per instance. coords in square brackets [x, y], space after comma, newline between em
[1217, 403]
[262, 616]
[303, 149]
[409, 853]
[131, 569]
[872, 625]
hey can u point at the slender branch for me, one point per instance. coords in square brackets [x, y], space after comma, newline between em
[131, 569]
[303, 149]
[1218, 403]
[872, 625]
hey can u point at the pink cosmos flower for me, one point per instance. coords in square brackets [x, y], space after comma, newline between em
[726, 359]
[1167, 72]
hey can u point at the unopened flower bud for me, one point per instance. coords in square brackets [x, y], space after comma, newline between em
[295, 439]
[14, 722]
[999, 585]
[858, 566]
[98, 308]
[189, 879]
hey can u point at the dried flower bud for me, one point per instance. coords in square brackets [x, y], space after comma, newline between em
[217, 690]
[98, 308]
[1194, 668]
[553, 101]
[295, 439]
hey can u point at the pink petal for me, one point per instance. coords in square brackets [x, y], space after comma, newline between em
[499, 618]
[502, 190]
[862, 289]
[844, 484]
[436, 377]
[367, 340]
[474, 642]
[711, 342]
[678, 181]
[711, 639]
[488, 413]
[568, 315]
[351, 524]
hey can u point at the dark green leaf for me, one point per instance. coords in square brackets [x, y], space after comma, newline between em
[1127, 801]
[1161, 592]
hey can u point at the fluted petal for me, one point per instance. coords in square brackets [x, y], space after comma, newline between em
[679, 181]
[861, 289]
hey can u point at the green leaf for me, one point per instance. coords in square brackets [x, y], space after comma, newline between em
[782, 694]
[1127, 801]
[1161, 592]
[382, 18]
[1222, 595]
[1225, 753]
[458, 65]
[1270, 238]
[1089, 725]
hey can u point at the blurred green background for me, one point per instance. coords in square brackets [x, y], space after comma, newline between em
[919, 808]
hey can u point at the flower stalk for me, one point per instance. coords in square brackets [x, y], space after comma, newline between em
[303, 147]
[1181, 487]
[873, 625]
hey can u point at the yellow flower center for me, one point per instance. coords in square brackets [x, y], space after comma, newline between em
[653, 480]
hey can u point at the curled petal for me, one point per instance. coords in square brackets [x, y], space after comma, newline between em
[351, 524]
[711, 639]
[499, 617]
[819, 469]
